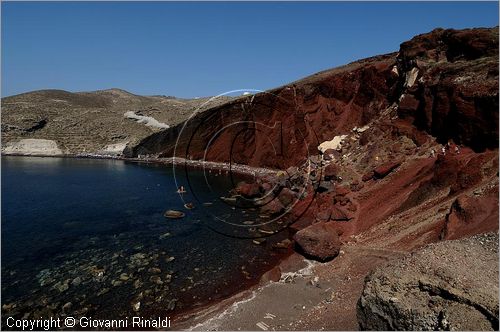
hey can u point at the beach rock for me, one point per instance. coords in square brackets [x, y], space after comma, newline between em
[292, 171]
[273, 275]
[330, 172]
[451, 285]
[248, 190]
[274, 207]
[383, 170]
[323, 215]
[329, 154]
[173, 214]
[367, 176]
[319, 241]
[339, 214]
[301, 222]
[286, 196]
[282, 244]
[341, 191]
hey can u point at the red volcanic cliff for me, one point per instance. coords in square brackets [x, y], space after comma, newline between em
[417, 161]
[444, 83]
[281, 127]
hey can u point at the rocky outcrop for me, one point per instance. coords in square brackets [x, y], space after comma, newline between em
[32, 147]
[319, 241]
[449, 85]
[452, 285]
[470, 215]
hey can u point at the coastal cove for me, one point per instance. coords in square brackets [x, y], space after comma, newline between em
[88, 237]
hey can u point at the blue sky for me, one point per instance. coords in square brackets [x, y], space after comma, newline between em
[200, 49]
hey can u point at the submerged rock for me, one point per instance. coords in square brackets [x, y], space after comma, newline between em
[174, 214]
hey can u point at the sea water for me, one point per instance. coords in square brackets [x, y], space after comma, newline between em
[88, 237]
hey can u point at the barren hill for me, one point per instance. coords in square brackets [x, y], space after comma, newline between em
[99, 122]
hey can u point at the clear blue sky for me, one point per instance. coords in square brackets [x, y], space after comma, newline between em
[201, 49]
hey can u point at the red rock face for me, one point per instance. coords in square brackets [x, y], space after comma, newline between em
[280, 128]
[471, 215]
[455, 93]
[440, 87]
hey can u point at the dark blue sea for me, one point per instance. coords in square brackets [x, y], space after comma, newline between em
[87, 237]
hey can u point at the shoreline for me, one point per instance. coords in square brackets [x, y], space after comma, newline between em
[194, 164]
[201, 318]
[189, 317]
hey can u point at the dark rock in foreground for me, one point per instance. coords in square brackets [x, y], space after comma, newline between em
[451, 285]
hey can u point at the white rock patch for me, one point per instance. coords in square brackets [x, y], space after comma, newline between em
[335, 143]
[147, 120]
[411, 77]
[33, 147]
[114, 149]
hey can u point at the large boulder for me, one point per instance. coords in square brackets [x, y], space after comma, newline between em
[319, 241]
[331, 171]
[451, 285]
[273, 207]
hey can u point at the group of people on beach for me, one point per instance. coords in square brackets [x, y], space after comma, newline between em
[446, 148]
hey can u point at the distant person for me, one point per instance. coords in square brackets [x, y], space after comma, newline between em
[443, 150]
[181, 190]
[433, 153]
[457, 149]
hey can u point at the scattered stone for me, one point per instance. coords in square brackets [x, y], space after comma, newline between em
[171, 304]
[137, 283]
[259, 241]
[286, 197]
[174, 214]
[248, 190]
[273, 275]
[367, 176]
[61, 286]
[66, 307]
[156, 279]
[282, 244]
[164, 236]
[274, 207]
[116, 283]
[77, 281]
[383, 170]
[330, 172]
[124, 277]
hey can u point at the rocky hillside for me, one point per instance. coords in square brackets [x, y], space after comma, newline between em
[100, 122]
[444, 83]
